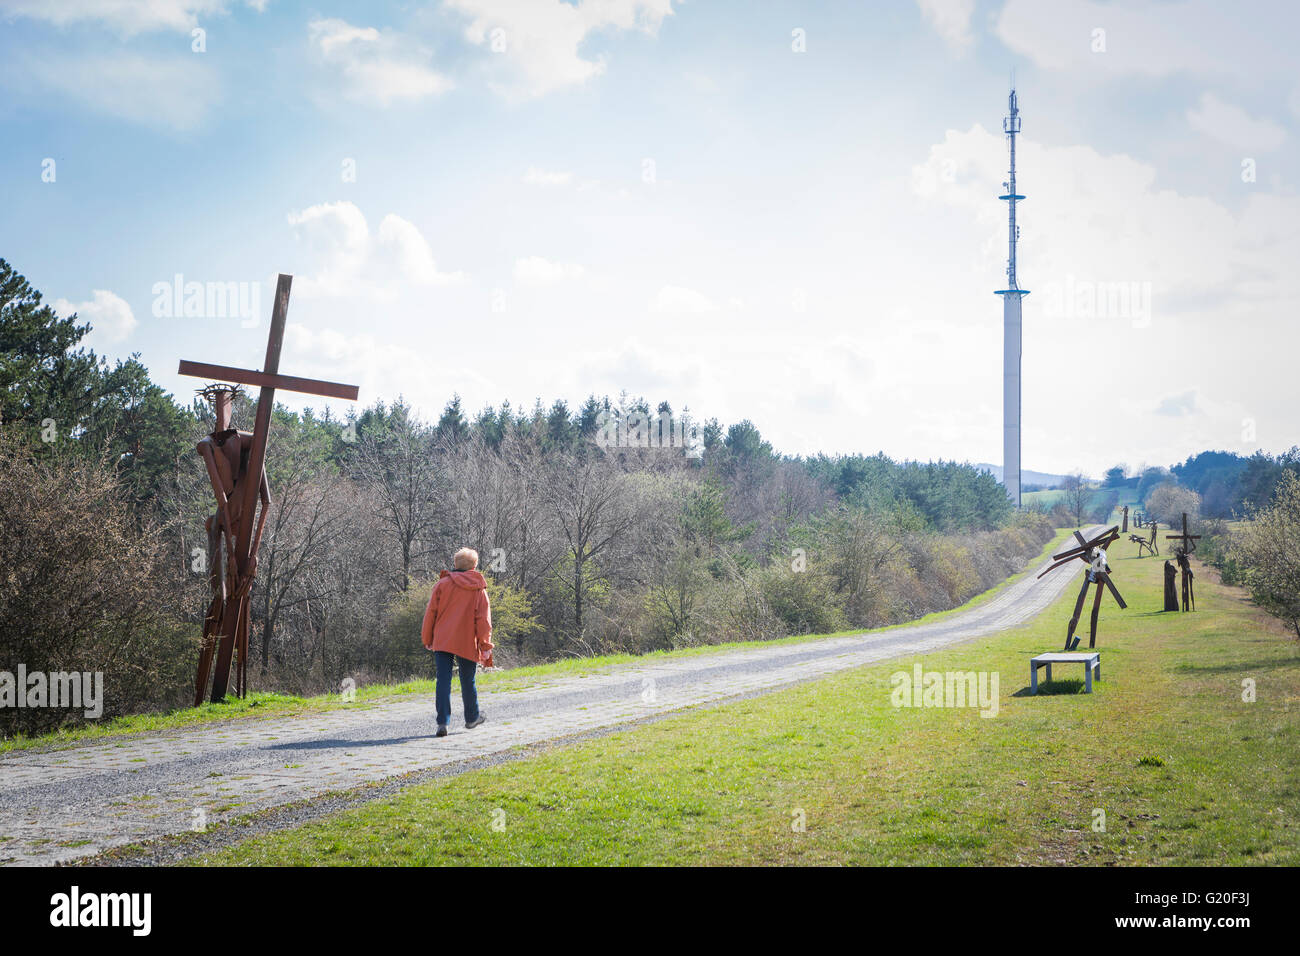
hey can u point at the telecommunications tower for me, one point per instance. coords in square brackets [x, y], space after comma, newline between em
[1011, 297]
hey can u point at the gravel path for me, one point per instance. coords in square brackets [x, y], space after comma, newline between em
[70, 804]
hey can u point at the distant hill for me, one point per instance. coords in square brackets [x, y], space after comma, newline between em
[1026, 477]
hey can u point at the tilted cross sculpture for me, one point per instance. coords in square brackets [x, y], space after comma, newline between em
[235, 463]
[1181, 553]
[1093, 554]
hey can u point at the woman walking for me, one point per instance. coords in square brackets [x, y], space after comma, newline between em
[458, 629]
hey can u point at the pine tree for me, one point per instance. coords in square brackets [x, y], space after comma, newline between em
[42, 373]
[453, 426]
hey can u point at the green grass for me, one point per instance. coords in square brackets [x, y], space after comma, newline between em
[266, 705]
[1185, 770]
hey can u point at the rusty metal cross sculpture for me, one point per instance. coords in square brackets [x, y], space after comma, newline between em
[1092, 553]
[235, 463]
[1181, 552]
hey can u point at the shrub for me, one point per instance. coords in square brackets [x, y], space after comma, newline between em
[93, 590]
[1268, 549]
[803, 602]
[1168, 502]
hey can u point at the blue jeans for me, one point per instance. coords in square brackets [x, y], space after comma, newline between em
[442, 692]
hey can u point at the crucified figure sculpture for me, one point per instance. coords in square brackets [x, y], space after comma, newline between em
[235, 462]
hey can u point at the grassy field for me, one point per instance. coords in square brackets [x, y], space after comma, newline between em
[267, 705]
[1184, 769]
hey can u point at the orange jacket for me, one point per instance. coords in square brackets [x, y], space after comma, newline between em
[459, 617]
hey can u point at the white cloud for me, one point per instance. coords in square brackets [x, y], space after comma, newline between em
[400, 240]
[346, 259]
[542, 38]
[174, 92]
[675, 298]
[109, 315]
[643, 368]
[1093, 216]
[537, 270]
[1146, 37]
[1234, 126]
[1177, 406]
[127, 17]
[375, 67]
[382, 368]
[950, 19]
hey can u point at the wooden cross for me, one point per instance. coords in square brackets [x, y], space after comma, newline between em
[1188, 540]
[234, 615]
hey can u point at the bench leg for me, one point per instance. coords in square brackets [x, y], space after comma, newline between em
[1087, 678]
[1033, 678]
[1099, 670]
[1049, 673]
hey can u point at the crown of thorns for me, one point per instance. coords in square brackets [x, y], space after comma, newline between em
[210, 392]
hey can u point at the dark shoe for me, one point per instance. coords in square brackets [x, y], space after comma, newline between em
[442, 731]
[471, 724]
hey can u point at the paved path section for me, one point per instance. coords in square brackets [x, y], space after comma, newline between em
[61, 805]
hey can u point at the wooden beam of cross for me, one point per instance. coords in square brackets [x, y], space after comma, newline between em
[268, 379]
[1083, 551]
[1188, 540]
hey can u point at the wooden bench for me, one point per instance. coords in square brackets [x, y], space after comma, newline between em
[1091, 661]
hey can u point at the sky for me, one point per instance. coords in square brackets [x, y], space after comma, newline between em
[785, 212]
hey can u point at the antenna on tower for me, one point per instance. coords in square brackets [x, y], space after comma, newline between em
[1011, 318]
[1011, 126]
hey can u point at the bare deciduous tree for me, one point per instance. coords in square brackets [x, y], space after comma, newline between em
[588, 494]
[1077, 494]
[398, 462]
